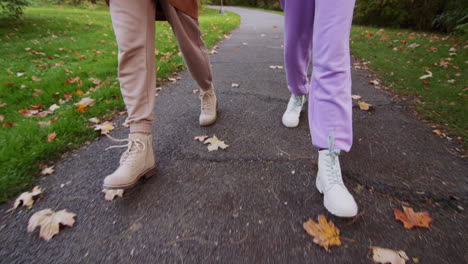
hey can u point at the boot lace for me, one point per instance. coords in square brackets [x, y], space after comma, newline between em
[205, 103]
[296, 103]
[333, 173]
[133, 147]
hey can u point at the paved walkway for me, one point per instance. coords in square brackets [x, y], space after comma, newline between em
[247, 204]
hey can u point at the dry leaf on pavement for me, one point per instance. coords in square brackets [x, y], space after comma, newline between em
[364, 106]
[356, 97]
[411, 219]
[105, 127]
[48, 170]
[27, 198]
[325, 233]
[375, 82]
[201, 138]
[276, 67]
[111, 194]
[50, 222]
[385, 255]
[215, 144]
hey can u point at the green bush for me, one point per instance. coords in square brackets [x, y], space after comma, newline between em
[267, 4]
[13, 8]
[435, 15]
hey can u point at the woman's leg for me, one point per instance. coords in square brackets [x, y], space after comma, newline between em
[330, 107]
[299, 22]
[298, 27]
[330, 103]
[187, 32]
[134, 26]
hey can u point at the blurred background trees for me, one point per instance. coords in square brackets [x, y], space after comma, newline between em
[433, 15]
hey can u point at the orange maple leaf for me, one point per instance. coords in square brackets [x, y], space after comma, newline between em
[51, 137]
[81, 108]
[325, 233]
[411, 219]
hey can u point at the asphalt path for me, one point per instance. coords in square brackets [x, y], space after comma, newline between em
[246, 204]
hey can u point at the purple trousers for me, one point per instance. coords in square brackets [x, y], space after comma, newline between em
[319, 30]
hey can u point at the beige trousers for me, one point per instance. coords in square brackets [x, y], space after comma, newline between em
[134, 26]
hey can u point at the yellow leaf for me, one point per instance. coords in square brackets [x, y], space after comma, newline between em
[364, 106]
[48, 170]
[27, 198]
[385, 255]
[437, 131]
[105, 127]
[50, 222]
[81, 108]
[201, 138]
[215, 144]
[324, 233]
[111, 194]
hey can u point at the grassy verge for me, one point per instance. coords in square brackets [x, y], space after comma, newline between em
[57, 56]
[401, 57]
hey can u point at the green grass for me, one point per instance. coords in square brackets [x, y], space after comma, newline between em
[442, 98]
[54, 44]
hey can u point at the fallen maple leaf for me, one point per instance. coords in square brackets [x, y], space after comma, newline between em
[111, 194]
[51, 137]
[325, 233]
[364, 106]
[81, 108]
[201, 138]
[428, 75]
[36, 107]
[8, 124]
[50, 222]
[411, 219]
[37, 92]
[385, 255]
[86, 101]
[27, 198]
[413, 46]
[48, 170]
[215, 144]
[94, 120]
[105, 127]
[276, 67]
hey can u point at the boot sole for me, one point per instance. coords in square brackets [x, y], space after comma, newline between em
[147, 174]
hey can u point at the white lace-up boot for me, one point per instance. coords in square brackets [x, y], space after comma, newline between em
[136, 162]
[336, 197]
[209, 106]
[293, 111]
